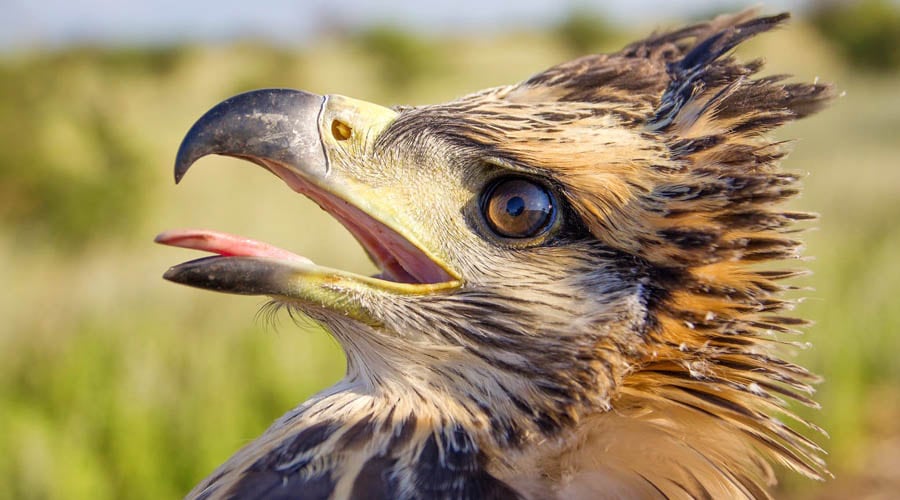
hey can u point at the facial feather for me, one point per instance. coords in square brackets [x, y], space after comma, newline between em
[662, 152]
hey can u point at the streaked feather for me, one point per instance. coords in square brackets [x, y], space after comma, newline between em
[638, 361]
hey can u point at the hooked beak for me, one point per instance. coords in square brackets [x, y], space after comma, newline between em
[274, 125]
[282, 131]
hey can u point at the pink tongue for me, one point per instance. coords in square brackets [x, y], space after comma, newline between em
[225, 244]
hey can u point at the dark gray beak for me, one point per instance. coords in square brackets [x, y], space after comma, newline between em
[279, 125]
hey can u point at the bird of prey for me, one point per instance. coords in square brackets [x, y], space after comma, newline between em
[573, 300]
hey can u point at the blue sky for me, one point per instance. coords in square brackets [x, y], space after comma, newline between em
[51, 23]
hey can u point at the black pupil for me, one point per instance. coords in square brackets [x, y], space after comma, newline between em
[518, 208]
[515, 206]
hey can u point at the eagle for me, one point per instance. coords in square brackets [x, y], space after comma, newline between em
[573, 297]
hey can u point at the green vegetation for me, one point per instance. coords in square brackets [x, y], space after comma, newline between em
[116, 384]
[401, 57]
[584, 32]
[52, 108]
[867, 32]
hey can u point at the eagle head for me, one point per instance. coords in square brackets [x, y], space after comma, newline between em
[571, 299]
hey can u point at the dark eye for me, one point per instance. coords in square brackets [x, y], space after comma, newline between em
[518, 208]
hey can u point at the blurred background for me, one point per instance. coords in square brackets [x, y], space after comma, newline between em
[116, 384]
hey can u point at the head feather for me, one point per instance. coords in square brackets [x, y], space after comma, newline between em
[662, 151]
[638, 353]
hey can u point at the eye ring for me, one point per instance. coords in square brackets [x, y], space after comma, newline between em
[518, 208]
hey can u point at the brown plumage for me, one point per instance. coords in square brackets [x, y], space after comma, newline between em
[607, 332]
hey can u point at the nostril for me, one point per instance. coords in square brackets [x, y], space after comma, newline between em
[340, 130]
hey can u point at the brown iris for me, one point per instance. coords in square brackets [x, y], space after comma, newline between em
[518, 208]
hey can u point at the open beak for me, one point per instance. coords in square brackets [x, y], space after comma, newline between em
[282, 131]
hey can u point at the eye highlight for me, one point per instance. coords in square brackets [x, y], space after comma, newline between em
[518, 208]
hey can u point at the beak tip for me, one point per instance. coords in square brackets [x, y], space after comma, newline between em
[187, 155]
[171, 274]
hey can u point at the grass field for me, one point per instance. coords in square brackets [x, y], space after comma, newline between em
[116, 384]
